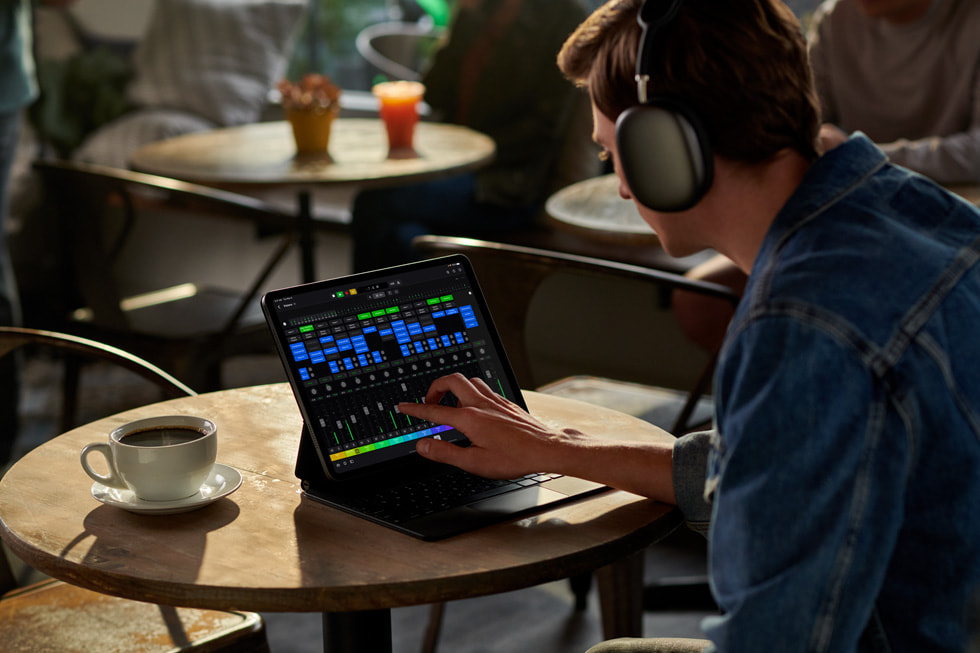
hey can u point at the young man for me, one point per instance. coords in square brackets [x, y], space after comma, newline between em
[842, 485]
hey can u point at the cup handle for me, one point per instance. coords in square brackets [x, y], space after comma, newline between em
[112, 479]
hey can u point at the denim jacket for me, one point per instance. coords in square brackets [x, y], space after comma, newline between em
[844, 474]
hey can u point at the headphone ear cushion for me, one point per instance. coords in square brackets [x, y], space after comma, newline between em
[664, 156]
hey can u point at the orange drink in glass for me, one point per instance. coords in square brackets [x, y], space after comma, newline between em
[399, 110]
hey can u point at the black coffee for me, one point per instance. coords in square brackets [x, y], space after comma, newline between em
[162, 436]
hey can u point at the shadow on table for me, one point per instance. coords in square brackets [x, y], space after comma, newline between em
[116, 547]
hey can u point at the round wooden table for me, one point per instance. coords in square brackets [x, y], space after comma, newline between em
[593, 210]
[263, 155]
[593, 220]
[594, 206]
[268, 548]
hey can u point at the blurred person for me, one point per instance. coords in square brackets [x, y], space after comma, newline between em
[18, 88]
[839, 488]
[907, 74]
[495, 74]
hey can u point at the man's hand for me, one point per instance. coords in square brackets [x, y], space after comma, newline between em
[505, 441]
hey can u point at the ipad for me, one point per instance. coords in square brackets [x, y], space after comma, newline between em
[355, 347]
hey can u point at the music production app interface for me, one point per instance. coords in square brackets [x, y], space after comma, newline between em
[359, 351]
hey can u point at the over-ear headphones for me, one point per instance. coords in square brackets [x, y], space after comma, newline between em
[664, 152]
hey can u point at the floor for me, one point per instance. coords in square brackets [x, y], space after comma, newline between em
[540, 619]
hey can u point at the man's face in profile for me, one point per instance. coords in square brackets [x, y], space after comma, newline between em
[895, 11]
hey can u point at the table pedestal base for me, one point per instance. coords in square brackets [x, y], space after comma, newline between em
[369, 630]
[621, 597]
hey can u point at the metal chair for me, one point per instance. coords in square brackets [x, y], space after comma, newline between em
[397, 49]
[77, 349]
[54, 616]
[188, 328]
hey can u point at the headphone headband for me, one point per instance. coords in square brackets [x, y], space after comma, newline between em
[653, 15]
[663, 148]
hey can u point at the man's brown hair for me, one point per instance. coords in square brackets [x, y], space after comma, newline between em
[740, 65]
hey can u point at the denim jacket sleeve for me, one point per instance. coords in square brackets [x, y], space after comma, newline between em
[689, 467]
[808, 490]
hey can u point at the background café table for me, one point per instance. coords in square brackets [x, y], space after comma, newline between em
[264, 155]
[593, 220]
[594, 205]
[266, 548]
[596, 221]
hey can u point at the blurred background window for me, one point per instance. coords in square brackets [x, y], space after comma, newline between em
[328, 41]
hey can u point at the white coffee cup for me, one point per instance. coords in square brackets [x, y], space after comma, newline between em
[158, 458]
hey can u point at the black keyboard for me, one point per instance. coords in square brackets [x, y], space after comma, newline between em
[418, 498]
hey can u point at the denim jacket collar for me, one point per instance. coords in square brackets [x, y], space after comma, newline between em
[830, 178]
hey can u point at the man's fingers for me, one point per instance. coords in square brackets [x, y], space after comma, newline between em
[465, 390]
[430, 412]
[440, 451]
[481, 387]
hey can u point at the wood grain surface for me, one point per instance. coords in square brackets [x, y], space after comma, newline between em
[268, 548]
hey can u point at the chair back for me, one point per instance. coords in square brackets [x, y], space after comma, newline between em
[98, 207]
[13, 338]
[399, 50]
[73, 351]
[158, 302]
[562, 315]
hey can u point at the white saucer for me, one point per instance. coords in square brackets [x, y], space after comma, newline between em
[222, 481]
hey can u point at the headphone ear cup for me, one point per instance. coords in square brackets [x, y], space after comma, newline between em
[664, 156]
